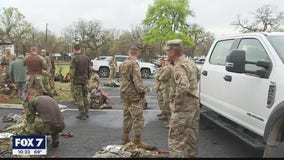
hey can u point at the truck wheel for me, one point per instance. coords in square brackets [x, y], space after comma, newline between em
[104, 72]
[145, 73]
[274, 144]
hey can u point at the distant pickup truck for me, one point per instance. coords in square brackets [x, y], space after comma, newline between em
[102, 67]
[242, 88]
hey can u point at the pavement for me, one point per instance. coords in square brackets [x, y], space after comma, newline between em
[104, 127]
[19, 106]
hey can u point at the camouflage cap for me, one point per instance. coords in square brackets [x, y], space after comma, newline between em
[173, 43]
[43, 51]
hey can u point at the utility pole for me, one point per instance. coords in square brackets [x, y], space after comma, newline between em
[46, 30]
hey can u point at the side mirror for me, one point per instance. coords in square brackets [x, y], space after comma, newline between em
[264, 64]
[235, 61]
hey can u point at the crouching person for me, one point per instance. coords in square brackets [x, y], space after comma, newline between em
[98, 99]
[43, 116]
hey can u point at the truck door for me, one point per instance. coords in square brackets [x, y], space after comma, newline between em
[246, 94]
[212, 83]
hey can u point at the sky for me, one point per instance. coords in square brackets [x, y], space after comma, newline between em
[214, 16]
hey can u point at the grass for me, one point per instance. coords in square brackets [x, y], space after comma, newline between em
[14, 99]
[62, 67]
[63, 92]
[62, 89]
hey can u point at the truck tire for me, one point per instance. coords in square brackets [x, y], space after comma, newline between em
[145, 73]
[274, 143]
[104, 72]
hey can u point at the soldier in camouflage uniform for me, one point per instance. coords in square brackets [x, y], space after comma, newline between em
[35, 65]
[94, 81]
[7, 59]
[3, 77]
[43, 117]
[163, 89]
[93, 85]
[112, 66]
[184, 105]
[97, 98]
[132, 93]
[52, 74]
[46, 72]
[46, 58]
[80, 72]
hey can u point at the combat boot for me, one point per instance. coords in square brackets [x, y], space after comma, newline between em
[125, 139]
[140, 143]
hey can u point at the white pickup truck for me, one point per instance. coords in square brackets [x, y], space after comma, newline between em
[101, 65]
[242, 88]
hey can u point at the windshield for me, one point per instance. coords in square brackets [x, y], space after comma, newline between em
[278, 44]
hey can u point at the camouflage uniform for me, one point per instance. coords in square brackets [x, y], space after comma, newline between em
[7, 143]
[163, 89]
[112, 67]
[3, 77]
[35, 65]
[96, 100]
[184, 122]
[47, 83]
[9, 58]
[132, 93]
[79, 75]
[93, 82]
[6, 60]
[48, 61]
[52, 74]
[48, 121]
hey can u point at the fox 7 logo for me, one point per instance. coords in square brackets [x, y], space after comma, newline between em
[29, 142]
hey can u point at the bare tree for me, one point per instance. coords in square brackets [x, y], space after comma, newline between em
[88, 33]
[133, 37]
[266, 17]
[200, 37]
[28, 39]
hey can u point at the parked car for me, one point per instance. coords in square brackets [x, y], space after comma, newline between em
[101, 65]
